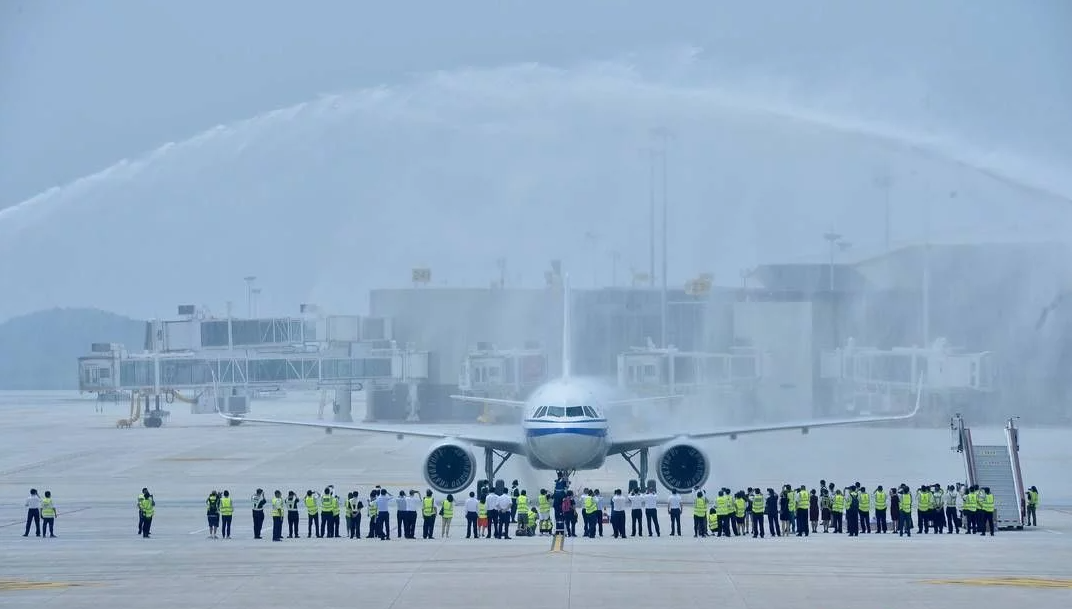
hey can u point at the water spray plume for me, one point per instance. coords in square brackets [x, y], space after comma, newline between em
[508, 154]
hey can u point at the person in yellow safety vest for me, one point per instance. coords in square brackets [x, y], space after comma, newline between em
[545, 523]
[336, 511]
[986, 505]
[802, 502]
[543, 505]
[137, 504]
[1032, 507]
[937, 509]
[825, 502]
[924, 510]
[373, 512]
[590, 507]
[428, 511]
[481, 518]
[724, 509]
[790, 523]
[48, 515]
[739, 507]
[348, 514]
[258, 502]
[312, 513]
[293, 532]
[325, 514]
[837, 508]
[226, 514]
[148, 509]
[880, 510]
[971, 506]
[904, 519]
[277, 516]
[522, 514]
[865, 510]
[758, 503]
[713, 521]
[534, 519]
[212, 512]
[446, 510]
[699, 515]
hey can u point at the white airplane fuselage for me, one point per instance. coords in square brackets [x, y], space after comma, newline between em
[565, 426]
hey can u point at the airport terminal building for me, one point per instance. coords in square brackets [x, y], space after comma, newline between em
[794, 341]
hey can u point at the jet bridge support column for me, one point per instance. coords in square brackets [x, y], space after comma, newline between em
[343, 410]
[412, 399]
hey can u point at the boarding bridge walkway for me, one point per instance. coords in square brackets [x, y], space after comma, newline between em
[996, 467]
[144, 372]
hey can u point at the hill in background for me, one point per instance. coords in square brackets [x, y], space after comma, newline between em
[41, 350]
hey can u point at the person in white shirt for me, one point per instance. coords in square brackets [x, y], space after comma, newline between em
[651, 511]
[673, 505]
[470, 516]
[636, 512]
[413, 505]
[400, 514]
[951, 507]
[505, 505]
[33, 513]
[602, 505]
[383, 515]
[617, 514]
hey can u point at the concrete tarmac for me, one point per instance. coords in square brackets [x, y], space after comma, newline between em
[57, 442]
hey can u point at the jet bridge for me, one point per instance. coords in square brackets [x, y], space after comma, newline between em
[237, 358]
[877, 381]
[511, 374]
[653, 371]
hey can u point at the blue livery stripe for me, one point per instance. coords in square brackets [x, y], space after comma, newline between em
[598, 432]
[560, 421]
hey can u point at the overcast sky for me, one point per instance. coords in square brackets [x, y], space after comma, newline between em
[88, 84]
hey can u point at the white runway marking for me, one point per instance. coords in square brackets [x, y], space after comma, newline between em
[201, 530]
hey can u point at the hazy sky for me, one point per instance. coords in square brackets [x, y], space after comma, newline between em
[86, 84]
[89, 83]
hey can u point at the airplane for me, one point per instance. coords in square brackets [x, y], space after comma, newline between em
[565, 428]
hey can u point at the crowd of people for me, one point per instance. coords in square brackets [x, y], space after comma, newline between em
[499, 513]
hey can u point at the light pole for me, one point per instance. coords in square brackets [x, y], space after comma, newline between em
[591, 240]
[255, 293]
[832, 238]
[884, 182]
[249, 279]
[501, 264]
[663, 135]
[652, 155]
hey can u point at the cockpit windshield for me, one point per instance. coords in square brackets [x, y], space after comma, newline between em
[566, 411]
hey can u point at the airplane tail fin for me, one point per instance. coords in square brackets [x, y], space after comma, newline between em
[567, 333]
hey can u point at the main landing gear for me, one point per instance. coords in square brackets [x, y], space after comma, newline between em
[491, 469]
[641, 469]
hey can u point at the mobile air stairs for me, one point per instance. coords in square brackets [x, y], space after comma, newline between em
[997, 467]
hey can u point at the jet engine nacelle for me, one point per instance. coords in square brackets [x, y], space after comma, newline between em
[682, 466]
[450, 467]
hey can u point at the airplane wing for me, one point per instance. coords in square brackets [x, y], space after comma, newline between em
[627, 443]
[628, 401]
[485, 438]
[479, 400]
